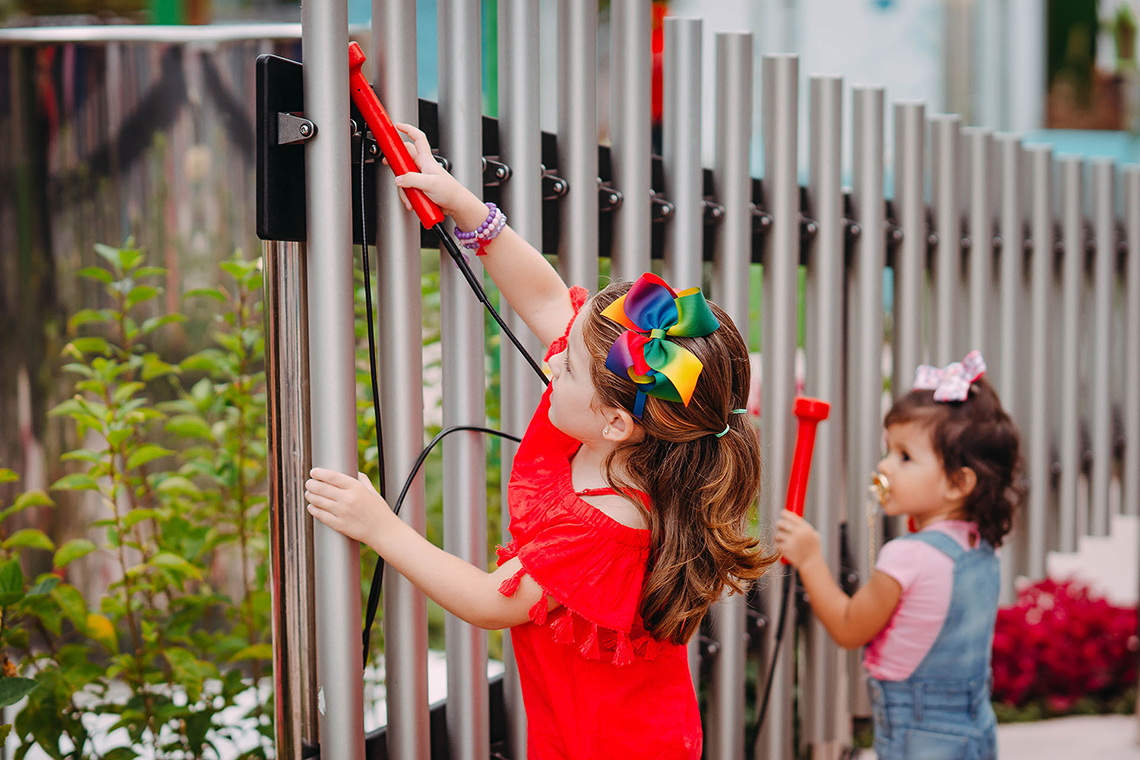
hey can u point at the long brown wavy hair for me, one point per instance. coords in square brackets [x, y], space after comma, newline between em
[975, 433]
[701, 487]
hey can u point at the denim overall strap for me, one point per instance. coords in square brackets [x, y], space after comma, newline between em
[940, 541]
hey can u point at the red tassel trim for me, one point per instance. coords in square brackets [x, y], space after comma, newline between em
[511, 585]
[506, 552]
[563, 628]
[648, 646]
[589, 647]
[538, 611]
[623, 651]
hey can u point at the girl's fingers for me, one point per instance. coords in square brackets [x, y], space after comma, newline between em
[332, 477]
[323, 502]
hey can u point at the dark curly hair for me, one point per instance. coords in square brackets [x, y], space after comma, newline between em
[975, 433]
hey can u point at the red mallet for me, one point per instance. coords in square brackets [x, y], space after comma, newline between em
[809, 412]
[392, 146]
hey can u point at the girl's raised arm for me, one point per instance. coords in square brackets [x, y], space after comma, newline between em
[526, 279]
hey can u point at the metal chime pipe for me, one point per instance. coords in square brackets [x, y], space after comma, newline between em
[823, 698]
[631, 150]
[910, 256]
[945, 154]
[1039, 430]
[1072, 284]
[461, 329]
[732, 186]
[1104, 277]
[520, 141]
[332, 361]
[399, 314]
[781, 265]
[578, 141]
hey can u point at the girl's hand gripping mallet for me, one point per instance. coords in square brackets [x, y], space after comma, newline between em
[391, 145]
[809, 413]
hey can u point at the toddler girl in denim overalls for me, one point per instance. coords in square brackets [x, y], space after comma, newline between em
[927, 613]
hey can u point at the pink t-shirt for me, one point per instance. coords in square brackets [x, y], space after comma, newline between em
[927, 579]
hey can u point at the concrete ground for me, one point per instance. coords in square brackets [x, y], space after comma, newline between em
[1097, 737]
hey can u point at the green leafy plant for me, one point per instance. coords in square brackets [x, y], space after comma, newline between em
[180, 474]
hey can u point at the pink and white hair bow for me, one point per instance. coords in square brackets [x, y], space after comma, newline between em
[952, 382]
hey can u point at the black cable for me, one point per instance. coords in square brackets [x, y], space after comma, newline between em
[378, 573]
[368, 312]
[789, 582]
[461, 262]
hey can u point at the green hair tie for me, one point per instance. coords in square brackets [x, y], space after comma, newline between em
[734, 411]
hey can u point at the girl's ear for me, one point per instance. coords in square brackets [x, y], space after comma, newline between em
[961, 484]
[622, 425]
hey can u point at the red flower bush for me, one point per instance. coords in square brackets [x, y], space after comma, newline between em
[1058, 643]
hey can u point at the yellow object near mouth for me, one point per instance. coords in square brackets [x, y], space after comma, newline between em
[880, 487]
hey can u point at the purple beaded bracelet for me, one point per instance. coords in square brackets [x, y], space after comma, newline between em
[476, 239]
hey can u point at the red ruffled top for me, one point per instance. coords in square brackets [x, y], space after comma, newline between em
[595, 683]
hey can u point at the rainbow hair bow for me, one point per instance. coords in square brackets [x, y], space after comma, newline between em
[656, 365]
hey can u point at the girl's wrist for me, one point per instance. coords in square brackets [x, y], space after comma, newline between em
[470, 214]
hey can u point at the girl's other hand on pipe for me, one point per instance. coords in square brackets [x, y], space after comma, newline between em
[348, 505]
[441, 188]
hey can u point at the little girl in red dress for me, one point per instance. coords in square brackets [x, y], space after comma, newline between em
[629, 500]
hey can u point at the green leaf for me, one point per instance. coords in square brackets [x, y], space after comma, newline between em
[76, 481]
[112, 256]
[155, 367]
[26, 501]
[46, 584]
[4, 731]
[141, 293]
[149, 271]
[91, 345]
[71, 551]
[189, 426]
[152, 324]
[29, 538]
[12, 690]
[72, 605]
[11, 582]
[175, 564]
[254, 652]
[85, 317]
[136, 516]
[7, 476]
[217, 295]
[146, 453]
[126, 390]
[131, 258]
[96, 273]
[83, 455]
[176, 485]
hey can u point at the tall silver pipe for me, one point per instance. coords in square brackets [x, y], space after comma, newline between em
[631, 62]
[461, 328]
[865, 339]
[778, 347]
[1039, 433]
[520, 140]
[824, 705]
[978, 145]
[332, 371]
[732, 185]
[290, 527]
[910, 256]
[945, 150]
[681, 159]
[578, 141]
[1072, 281]
[1011, 274]
[1104, 278]
[681, 151]
[1132, 347]
[399, 313]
